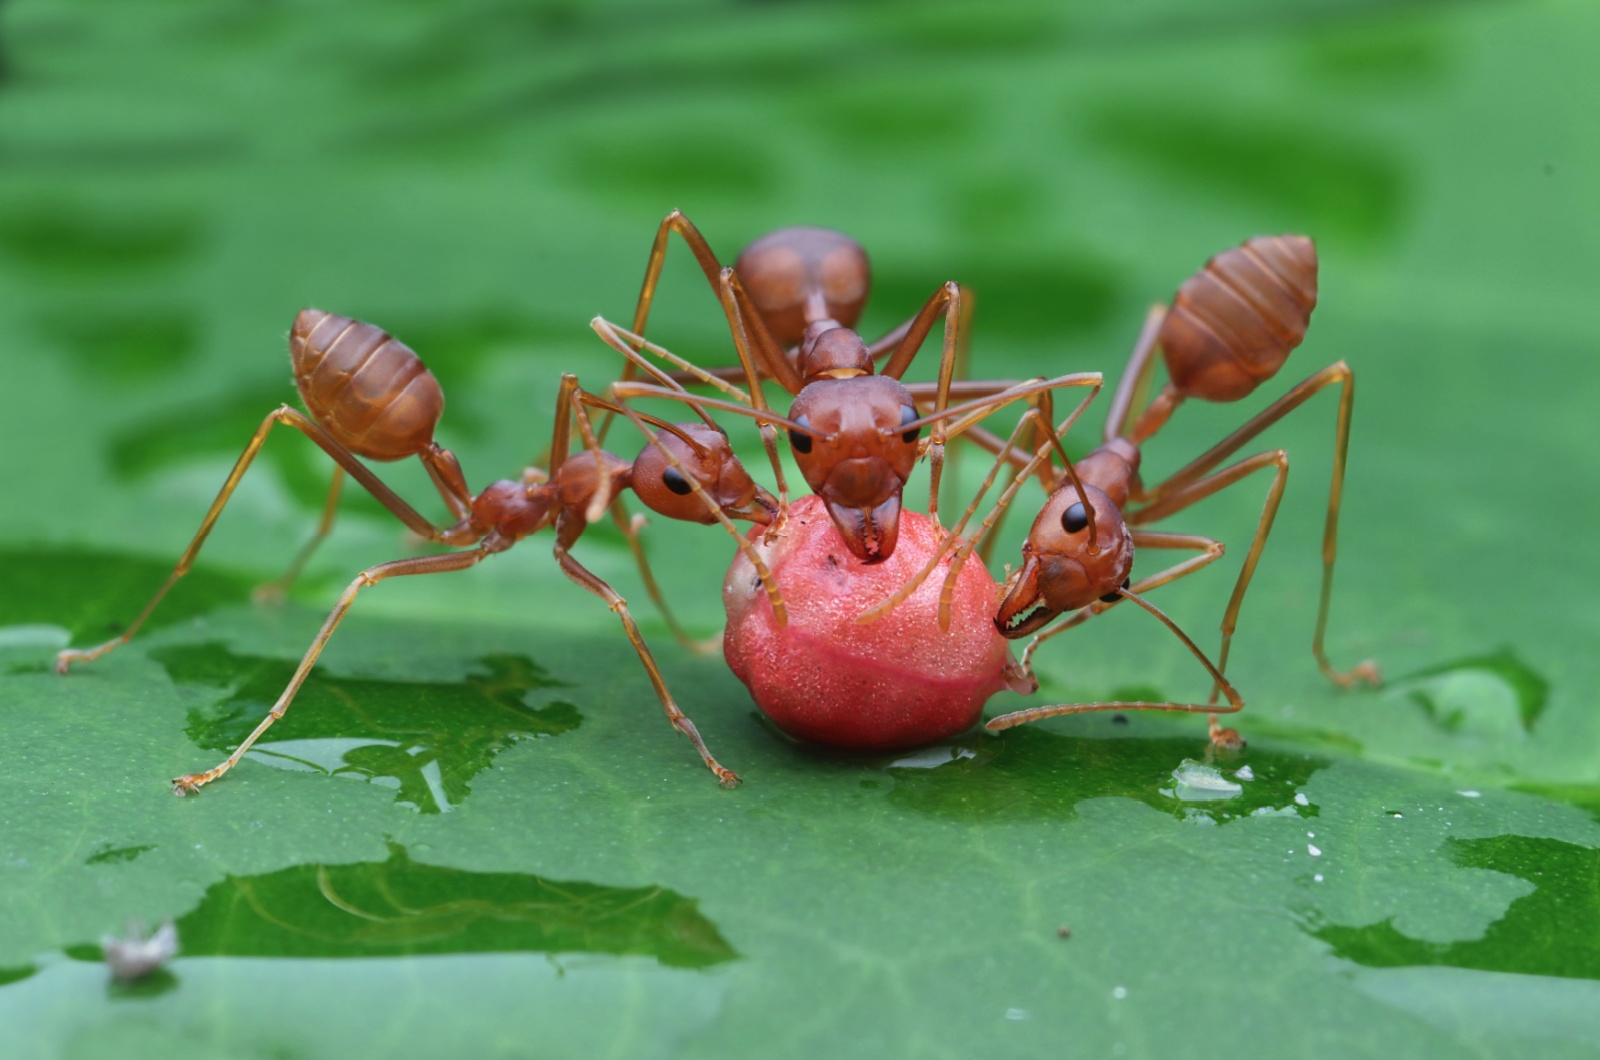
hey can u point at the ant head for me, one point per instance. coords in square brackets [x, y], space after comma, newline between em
[1059, 571]
[862, 459]
[797, 275]
[705, 455]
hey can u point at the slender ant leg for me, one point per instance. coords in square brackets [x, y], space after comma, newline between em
[275, 590]
[948, 299]
[1159, 500]
[311, 429]
[1219, 736]
[619, 514]
[630, 527]
[1136, 376]
[448, 561]
[567, 531]
[767, 352]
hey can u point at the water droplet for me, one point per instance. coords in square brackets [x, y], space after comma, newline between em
[1119, 992]
[1198, 782]
[1313, 850]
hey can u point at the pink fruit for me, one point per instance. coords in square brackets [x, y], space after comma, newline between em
[898, 682]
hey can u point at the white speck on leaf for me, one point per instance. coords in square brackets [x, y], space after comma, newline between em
[1300, 799]
[1314, 850]
[136, 956]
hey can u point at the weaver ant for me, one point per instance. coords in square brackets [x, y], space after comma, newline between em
[805, 287]
[370, 396]
[1229, 329]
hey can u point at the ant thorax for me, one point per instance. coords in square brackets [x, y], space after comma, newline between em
[831, 351]
[513, 510]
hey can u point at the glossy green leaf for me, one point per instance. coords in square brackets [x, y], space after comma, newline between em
[474, 833]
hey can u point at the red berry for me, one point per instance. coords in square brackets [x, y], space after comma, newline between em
[895, 683]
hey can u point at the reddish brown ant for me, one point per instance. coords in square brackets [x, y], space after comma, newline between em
[821, 444]
[1230, 328]
[370, 396]
[806, 287]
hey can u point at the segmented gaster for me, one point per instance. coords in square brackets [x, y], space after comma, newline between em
[1234, 323]
[368, 389]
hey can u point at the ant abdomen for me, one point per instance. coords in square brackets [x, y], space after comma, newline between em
[798, 275]
[367, 388]
[1234, 323]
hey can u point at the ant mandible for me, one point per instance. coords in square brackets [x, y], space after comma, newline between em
[370, 396]
[1229, 329]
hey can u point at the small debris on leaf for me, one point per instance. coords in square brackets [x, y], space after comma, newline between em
[137, 955]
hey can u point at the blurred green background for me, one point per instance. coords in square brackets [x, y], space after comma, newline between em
[529, 862]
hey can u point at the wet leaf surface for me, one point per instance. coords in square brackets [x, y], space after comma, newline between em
[474, 832]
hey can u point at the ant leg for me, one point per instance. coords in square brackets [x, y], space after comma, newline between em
[630, 531]
[274, 591]
[883, 347]
[630, 527]
[680, 721]
[438, 564]
[445, 471]
[1159, 501]
[1177, 501]
[325, 441]
[730, 290]
[673, 222]
[892, 341]
[1219, 736]
[948, 299]
[1136, 376]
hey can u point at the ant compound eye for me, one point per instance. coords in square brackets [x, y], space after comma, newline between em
[801, 442]
[1074, 518]
[1111, 598]
[907, 414]
[676, 482]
